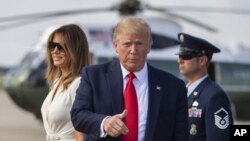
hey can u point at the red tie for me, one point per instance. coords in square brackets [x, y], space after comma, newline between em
[130, 103]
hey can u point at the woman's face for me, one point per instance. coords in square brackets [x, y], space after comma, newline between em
[58, 54]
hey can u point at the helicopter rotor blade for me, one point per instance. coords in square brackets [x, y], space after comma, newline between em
[127, 7]
[55, 14]
[27, 19]
[19, 24]
[177, 16]
[217, 10]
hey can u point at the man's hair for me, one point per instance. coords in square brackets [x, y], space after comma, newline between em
[131, 25]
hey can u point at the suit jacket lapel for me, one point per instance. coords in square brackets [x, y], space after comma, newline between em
[115, 83]
[191, 99]
[154, 97]
[197, 91]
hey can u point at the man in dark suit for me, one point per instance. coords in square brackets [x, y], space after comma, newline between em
[208, 105]
[101, 108]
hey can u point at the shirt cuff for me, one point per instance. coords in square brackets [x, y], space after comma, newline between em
[103, 134]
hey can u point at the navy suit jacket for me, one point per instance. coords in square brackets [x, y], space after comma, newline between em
[100, 94]
[212, 119]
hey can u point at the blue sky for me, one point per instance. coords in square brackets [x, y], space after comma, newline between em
[14, 43]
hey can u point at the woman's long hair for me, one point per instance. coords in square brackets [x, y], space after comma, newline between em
[76, 49]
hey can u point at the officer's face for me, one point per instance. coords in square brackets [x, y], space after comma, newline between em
[189, 67]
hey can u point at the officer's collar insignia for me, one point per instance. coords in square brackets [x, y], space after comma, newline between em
[221, 118]
[193, 129]
[158, 88]
[195, 93]
[181, 38]
[195, 103]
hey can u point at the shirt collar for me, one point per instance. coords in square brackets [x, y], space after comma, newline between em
[140, 75]
[192, 86]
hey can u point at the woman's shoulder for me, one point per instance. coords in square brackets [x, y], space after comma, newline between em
[75, 83]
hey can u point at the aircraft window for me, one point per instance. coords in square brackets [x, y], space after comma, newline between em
[36, 77]
[105, 36]
[32, 60]
[234, 74]
[161, 41]
[99, 35]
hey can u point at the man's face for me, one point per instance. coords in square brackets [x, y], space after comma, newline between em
[132, 50]
[188, 67]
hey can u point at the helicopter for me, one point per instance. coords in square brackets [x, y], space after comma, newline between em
[27, 87]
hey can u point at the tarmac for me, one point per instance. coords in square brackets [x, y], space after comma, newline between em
[17, 124]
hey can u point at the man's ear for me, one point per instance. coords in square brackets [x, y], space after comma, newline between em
[150, 45]
[115, 46]
[203, 60]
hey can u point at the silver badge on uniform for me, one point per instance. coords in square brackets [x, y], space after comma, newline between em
[195, 103]
[195, 93]
[193, 129]
[221, 118]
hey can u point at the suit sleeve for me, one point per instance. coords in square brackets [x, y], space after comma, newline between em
[82, 114]
[218, 118]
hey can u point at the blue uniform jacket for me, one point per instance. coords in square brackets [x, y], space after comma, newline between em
[209, 113]
[100, 94]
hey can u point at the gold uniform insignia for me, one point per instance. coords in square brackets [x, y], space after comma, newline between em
[193, 129]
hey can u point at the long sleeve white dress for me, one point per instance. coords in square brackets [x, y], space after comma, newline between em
[56, 112]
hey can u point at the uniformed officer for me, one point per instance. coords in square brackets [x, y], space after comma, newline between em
[208, 105]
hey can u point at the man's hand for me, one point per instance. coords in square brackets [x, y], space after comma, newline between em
[114, 126]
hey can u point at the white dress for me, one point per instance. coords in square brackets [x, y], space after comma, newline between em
[56, 113]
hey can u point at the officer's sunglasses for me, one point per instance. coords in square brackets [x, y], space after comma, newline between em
[53, 45]
[188, 57]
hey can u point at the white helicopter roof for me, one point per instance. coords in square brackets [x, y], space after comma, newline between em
[100, 39]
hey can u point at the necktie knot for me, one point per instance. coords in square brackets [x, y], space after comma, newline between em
[131, 76]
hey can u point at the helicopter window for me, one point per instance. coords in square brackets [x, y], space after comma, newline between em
[161, 41]
[32, 60]
[36, 77]
[99, 35]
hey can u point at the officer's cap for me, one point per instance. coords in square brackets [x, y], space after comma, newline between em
[194, 46]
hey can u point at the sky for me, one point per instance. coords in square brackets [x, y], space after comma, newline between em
[16, 42]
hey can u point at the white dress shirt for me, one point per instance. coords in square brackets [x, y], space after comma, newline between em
[141, 87]
[192, 86]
